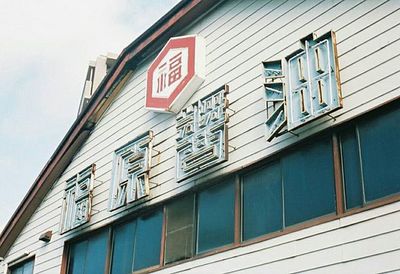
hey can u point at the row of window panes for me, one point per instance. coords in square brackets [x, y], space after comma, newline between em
[273, 197]
[292, 189]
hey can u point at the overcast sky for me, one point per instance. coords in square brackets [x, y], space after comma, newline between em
[45, 47]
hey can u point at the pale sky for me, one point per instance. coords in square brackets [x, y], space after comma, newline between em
[45, 48]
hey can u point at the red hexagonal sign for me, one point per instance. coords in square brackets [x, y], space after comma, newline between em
[176, 73]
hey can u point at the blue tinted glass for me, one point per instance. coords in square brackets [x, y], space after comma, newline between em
[18, 270]
[28, 267]
[262, 201]
[351, 169]
[96, 253]
[24, 268]
[148, 241]
[77, 257]
[380, 150]
[216, 216]
[308, 182]
[122, 257]
[89, 256]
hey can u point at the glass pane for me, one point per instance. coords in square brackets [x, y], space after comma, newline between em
[17, 270]
[262, 201]
[124, 239]
[148, 240]
[23, 268]
[89, 256]
[379, 138]
[77, 257]
[180, 229]
[216, 216]
[28, 267]
[308, 182]
[351, 169]
[96, 253]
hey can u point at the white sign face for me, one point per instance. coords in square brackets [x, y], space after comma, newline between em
[170, 72]
[202, 134]
[131, 169]
[77, 200]
[312, 85]
[175, 74]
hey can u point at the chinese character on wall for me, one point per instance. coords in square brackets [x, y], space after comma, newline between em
[132, 163]
[77, 199]
[275, 98]
[310, 89]
[202, 134]
[169, 72]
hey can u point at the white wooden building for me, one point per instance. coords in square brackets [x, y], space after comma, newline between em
[318, 194]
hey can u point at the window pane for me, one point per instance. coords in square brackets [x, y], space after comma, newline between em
[308, 182]
[96, 253]
[379, 138]
[351, 169]
[124, 239]
[262, 201]
[216, 216]
[89, 256]
[28, 267]
[148, 241]
[77, 257]
[23, 268]
[180, 229]
[18, 270]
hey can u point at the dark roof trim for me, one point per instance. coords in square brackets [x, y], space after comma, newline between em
[184, 13]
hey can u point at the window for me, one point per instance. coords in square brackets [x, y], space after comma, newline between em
[212, 224]
[262, 201]
[131, 167]
[309, 189]
[294, 189]
[137, 244]
[180, 229]
[123, 244]
[148, 241]
[77, 199]
[89, 255]
[25, 267]
[134, 245]
[215, 220]
[354, 195]
[370, 158]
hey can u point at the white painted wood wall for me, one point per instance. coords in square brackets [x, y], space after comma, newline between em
[239, 35]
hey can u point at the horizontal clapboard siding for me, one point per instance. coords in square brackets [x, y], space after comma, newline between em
[239, 35]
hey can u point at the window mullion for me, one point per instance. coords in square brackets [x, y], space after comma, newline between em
[282, 195]
[163, 235]
[107, 269]
[238, 211]
[361, 164]
[337, 167]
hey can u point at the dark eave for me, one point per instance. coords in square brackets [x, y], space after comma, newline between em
[184, 13]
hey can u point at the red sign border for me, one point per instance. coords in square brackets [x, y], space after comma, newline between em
[179, 42]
